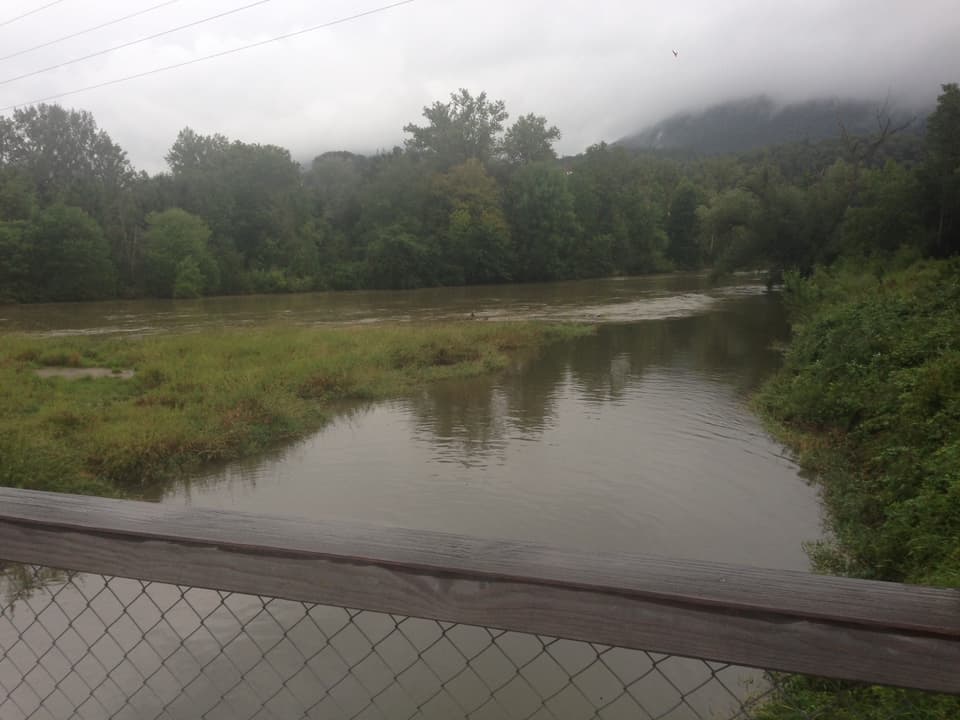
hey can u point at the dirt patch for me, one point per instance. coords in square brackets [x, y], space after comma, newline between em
[75, 373]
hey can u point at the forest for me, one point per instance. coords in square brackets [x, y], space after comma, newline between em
[471, 198]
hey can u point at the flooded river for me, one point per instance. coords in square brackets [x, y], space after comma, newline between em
[637, 438]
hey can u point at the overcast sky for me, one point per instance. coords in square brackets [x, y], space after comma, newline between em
[598, 70]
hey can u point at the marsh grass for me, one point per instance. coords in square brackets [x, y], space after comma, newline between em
[198, 398]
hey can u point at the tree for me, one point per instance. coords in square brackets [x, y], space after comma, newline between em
[466, 128]
[69, 256]
[189, 281]
[682, 225]
[940, 173]
[472, 237]
[397, 260]
[16, 280]
[543, 221]
[192, 152]
[177, 261]
[725, 228]
[888, 215]
[529, 140]
[253, 199]
[67, 159]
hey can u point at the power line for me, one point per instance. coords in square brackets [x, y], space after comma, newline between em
[30, 12]
[88, 30]
[135, 42]
[331, 23]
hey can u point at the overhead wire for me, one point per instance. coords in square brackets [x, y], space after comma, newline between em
[88, 30]
[130, 43]
[30, 12]
[260, 43]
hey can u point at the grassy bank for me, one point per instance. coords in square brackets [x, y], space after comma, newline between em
[869, 397]
[197, 398]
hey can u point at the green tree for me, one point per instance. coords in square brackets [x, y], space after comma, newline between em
[726, 228]
[682, 226]
[189, 281]
[251, 196]
[529, 140]
[69, 256]
[68, 159]
[618, 202]
[397, 260]
[466, 128]
[941, 170]
[541, 213]
[16, 280]
[887, 216]
[177, 242]
[472, 237]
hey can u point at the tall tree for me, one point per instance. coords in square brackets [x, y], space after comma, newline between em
[544, 224]
[176, 243]
[682, 226]
[941, 170]
[472, 237]
[466, 128]
[529, 140]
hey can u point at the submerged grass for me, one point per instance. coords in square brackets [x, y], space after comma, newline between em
[197, 398]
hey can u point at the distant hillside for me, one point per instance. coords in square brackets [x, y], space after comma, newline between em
[758, 122]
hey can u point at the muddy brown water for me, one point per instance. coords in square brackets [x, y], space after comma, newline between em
[637, 438]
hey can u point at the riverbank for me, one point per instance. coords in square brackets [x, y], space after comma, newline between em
[197, 398]
[869, 398]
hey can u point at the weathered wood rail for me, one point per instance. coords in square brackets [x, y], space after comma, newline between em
[842, 628]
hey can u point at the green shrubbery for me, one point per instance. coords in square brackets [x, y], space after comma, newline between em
[870, 397]
[871, 393]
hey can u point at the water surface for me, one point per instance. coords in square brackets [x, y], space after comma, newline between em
[637, 438]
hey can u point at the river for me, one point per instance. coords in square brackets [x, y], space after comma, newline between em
[638, 437]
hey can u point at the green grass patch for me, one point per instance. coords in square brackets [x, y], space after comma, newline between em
[197, 398]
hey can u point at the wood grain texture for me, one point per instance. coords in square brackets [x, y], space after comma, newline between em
[778, 620]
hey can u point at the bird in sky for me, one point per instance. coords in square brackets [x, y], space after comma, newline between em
[676, 54]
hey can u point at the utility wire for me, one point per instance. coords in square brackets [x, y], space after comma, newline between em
[331, 23]
[154, 36]
[30, 12]
[88, 30]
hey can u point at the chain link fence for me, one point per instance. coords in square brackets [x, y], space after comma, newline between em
[93, 647]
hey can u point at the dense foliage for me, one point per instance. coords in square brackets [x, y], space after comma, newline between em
[471, 198]
[870, 396]
[871, 385]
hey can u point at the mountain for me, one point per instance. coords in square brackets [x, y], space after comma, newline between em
[756, 122]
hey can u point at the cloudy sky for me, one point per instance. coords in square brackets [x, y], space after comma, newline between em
[599, 70]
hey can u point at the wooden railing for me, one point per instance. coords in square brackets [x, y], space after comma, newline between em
[779, 620]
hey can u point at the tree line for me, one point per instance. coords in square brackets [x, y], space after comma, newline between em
[470, 198]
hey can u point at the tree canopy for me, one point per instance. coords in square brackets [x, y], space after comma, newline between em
[469, 198]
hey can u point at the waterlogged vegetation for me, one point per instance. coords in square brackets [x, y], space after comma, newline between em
[199, 398]
[869, 396]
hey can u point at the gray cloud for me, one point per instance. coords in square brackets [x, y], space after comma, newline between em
[598, 70]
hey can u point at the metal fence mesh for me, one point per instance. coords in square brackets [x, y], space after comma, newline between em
[94, 647]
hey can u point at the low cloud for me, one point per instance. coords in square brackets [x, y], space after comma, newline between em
[598, 71]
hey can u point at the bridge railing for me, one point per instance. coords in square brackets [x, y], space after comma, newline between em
[132, 610]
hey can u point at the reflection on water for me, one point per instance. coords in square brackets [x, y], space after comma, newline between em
[637, 438]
